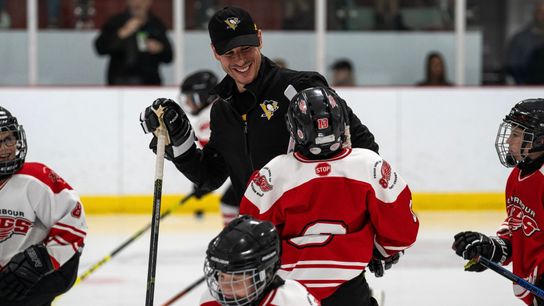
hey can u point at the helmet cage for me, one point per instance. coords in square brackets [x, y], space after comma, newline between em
[250, 282]
[10, 167]
[506, 156]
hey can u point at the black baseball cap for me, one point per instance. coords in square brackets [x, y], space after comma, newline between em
[232, 27]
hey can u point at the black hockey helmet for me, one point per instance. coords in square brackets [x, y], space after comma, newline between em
[196, 87]
[527, 117]
[246, 254]
[316, 119]
[8, 123]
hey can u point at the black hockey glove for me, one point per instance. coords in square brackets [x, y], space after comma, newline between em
[180, 133]
[23, 271]
[471, 244]
[379, 263]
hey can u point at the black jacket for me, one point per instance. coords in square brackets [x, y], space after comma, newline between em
[128, 65]
[238, 147]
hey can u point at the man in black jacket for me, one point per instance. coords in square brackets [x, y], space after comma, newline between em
[248, 120]
[137, 43]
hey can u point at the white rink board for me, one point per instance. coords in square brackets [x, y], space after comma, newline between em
[440, 140]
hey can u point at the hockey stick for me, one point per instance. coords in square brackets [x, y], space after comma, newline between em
[161, 134]
[127, 242]
[509, 275]
[184, 291]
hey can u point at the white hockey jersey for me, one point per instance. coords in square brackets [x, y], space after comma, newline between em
[37, 205]
[330, 214]
[289, 294]
[201, 126]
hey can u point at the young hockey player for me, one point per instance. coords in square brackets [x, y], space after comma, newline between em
[42, 225]
[336, 208]
[241, 265]
[519, 144]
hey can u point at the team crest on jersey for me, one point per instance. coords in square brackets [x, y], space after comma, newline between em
[269, 107]
[232, 22]
[10, 225]
[261, 181]
[323, 169]
[521, 217]
[386, 177]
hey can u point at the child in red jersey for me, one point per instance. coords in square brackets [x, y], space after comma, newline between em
[520, 240]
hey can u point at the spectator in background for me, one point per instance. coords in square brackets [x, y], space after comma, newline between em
[136, 42]
[5, 20]
[524, 50]
[53, 13]
[342, 73]
[387, 16]
[299, 15]
[435, 71]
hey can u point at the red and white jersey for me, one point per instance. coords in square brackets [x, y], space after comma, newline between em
[524, 227]
[37, 205]
[330, 214]
[289, 294]
[201, 125]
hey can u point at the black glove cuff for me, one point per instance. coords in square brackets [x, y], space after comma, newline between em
[38, 258]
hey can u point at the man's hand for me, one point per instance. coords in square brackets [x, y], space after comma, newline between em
[23, 271]
[180, 133]
[131, 26]
[154, 46]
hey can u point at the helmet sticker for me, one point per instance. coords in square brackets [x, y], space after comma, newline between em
[302, 106]
[300, 134]
[322, 123]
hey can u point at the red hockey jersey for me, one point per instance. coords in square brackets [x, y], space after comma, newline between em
[523, 227]
[36, 205]
[331, 214]
[289, 294]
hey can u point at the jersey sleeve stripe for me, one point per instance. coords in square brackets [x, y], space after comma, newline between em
[322, 285]
[328, 274]
[71, 229]
[303, 263]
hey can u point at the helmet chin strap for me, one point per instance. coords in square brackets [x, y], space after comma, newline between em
[528, 165]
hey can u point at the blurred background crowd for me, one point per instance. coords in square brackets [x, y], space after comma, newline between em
[368, 42]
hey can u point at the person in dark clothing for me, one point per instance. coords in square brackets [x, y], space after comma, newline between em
[524, 50]
[137, 43]
[247, 121]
